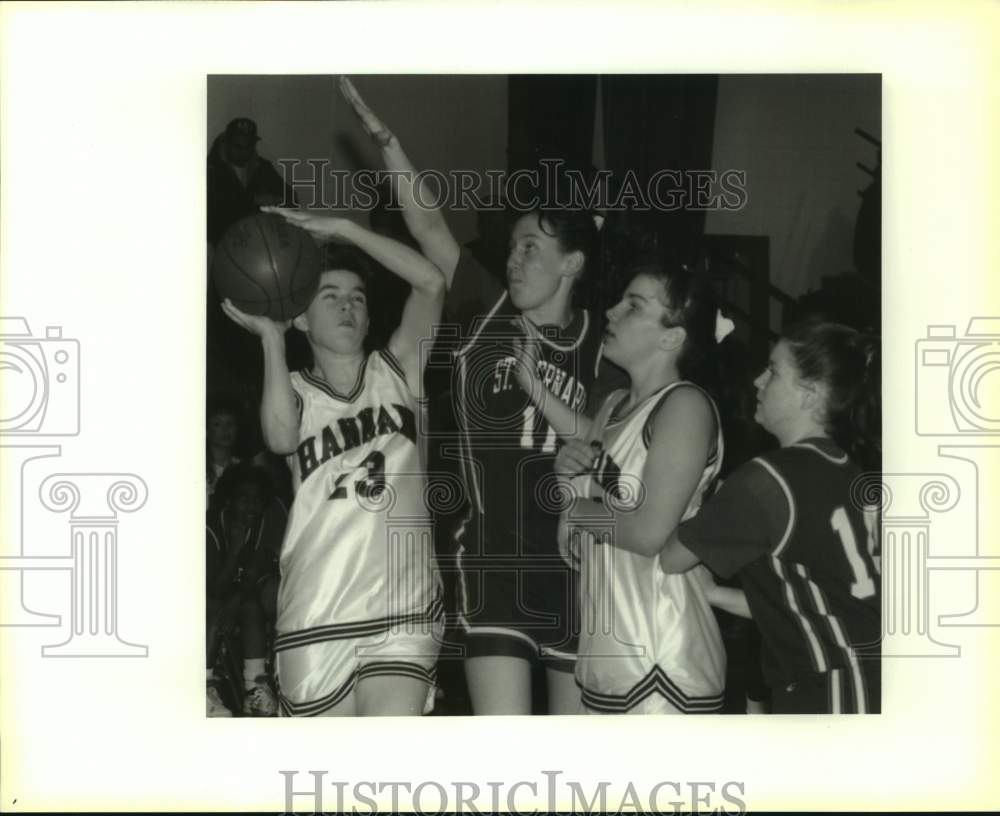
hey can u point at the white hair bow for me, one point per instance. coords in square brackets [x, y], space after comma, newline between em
[723, 327]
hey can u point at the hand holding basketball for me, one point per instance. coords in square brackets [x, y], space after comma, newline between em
[321, 227]
[266, 266]
[260, 325]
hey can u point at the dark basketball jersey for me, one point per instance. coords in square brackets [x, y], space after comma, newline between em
[508, 448]
[808, 556]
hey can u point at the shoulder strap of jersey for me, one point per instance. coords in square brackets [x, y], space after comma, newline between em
[647, 428]
[390, 360]
[296, 380]
[789, 497]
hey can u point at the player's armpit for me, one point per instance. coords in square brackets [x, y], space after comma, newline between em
[472, 292]
[415, 332]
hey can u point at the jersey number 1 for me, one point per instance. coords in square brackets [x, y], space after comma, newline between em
[528, 432]
[863, 585]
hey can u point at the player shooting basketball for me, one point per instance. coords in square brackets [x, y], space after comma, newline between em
[359, 613]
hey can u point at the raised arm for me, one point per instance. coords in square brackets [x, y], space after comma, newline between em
[423, 306]
[279, 417]
[427, 225]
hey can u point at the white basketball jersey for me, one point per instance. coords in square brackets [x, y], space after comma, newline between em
[358, 554]
[649, 642]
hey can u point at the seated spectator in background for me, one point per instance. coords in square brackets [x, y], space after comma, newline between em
[227, 445]
[240, 181]
[243, 542]
[221, 432]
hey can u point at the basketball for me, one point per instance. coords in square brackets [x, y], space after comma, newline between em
[266, 266]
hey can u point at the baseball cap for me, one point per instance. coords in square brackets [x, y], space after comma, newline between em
[242, 131]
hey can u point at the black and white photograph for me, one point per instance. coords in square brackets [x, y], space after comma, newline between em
[543, 394]
[495, 367]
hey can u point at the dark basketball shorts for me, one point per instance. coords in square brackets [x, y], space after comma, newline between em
[519, 606]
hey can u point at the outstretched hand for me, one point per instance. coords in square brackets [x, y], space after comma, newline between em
[321, 227]
[256, 324]
[373, 126]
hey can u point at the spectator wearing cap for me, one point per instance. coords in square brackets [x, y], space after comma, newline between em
[239, 180]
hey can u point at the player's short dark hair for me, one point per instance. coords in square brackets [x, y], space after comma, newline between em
[350, 259]
[575, 231]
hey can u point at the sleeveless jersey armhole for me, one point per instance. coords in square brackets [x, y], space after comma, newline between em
[779, 494]
[647, 428]
[394, 364]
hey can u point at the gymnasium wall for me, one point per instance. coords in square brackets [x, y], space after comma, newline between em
[794, 137]
[445, 122]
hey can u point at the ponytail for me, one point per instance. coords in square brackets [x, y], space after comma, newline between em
[848, 363]
[707, 359]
